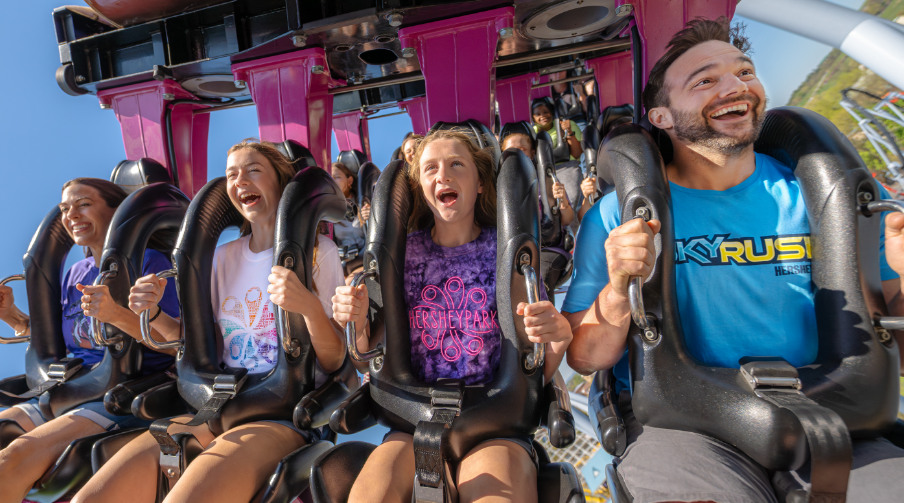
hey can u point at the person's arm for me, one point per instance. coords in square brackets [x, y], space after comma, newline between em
[350, 305]
[588, 188]
[97, 303]
[558, 191]
[571, 138]
[600, 332]
[287, 292]
[893, 246]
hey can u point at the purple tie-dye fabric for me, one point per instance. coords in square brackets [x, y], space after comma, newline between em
[451, 300]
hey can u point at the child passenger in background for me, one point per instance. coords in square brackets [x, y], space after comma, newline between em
[451, 257]
[525, 144]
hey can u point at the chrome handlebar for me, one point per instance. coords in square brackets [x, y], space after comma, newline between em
[350, 332]
[535, 359]
[876, 207]
[98, 328]
[287, 345]
[551, 172]
[146, 324]
[21, 338]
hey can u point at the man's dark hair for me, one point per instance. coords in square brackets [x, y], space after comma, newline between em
[695, 32]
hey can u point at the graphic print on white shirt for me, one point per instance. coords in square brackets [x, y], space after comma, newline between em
[242, 306]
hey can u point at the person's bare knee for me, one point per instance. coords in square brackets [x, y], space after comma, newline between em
[130, 474]
[18, 415]
[388, 474]
[497, 471]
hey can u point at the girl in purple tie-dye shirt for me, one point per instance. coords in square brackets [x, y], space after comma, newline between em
[450, 289]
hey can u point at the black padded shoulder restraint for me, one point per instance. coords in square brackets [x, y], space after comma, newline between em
[310, 197]
[298, 154]
[771, 411]
[353, 160]
[402, 401]
[480, 135]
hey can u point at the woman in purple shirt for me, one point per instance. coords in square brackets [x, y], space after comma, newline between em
[450, 289]
[87, 207]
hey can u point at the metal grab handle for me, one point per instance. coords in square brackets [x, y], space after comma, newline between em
[592, 173]
[535, 359]
[290, 349]
[638, 313]
[873, 207]
[21, 338]
[146, 325]
[350, 331]
[892, 322]
[555, 179]
[98, 328]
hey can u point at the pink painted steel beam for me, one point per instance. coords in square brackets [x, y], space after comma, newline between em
[351, 132]
[141, 111]
[541, 92]
[456, 57]
[659, 20]
[513, 97]
[614, 75]
[292, 98]
[417, 111]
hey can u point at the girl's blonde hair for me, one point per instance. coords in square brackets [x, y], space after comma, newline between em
[485, 207]
[284, 169]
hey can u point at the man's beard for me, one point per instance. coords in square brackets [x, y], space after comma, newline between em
[694, 129]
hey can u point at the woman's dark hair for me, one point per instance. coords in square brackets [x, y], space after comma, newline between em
[112, 194]
[695, 32]
[485, 207]
[284, 169]
[410, 136]
[353, 190]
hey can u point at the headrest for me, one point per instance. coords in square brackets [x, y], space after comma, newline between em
[132, 175]
[522, 127]
[479, 133]
[353, 159]
[546, 158]
[612, 116]
[298, 154]
[545, 101]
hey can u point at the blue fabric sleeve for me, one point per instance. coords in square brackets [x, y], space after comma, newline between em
[885, 272]
[155, 262]
[591, 274]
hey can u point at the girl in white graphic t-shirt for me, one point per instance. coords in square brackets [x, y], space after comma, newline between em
[244, 289]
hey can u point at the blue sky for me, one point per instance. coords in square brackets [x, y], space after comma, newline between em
[49, 137]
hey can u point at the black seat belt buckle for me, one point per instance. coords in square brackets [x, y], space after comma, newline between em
[64, 369]
[772, 374]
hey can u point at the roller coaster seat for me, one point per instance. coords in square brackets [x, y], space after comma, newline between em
[298, 154]
[395, 398]
[774, 413]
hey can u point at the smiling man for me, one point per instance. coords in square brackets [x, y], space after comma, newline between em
[704, 93]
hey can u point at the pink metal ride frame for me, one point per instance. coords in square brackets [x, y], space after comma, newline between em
[351, 132]
[141, 110]
[417, 110]
[456, 56]
[614, 76]
[658, 21]
[291, 92]
[513, 97]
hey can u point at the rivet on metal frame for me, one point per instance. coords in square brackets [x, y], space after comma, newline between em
[394, 18]
[506, 33]
[169, 96]
[624, 10]
[299, 40]
[240, 84]
[409, 52]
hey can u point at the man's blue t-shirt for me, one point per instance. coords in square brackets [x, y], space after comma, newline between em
[77, 327]
[742, 268]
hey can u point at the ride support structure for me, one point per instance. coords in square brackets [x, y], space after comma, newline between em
[291, 92]
[352, 132]
[417, 111]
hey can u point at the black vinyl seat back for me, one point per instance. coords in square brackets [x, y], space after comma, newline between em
[367, 180]
[613, 116]
[400, 399]
[477, 131]
[855, 372]
[571, 110]
[298, 154]
[593, 109]
[560, 150]
[353, 160]
[310, 197]
[147, 218]
[551, 229]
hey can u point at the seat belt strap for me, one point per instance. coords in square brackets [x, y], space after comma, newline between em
[433, 482]
[57, 374]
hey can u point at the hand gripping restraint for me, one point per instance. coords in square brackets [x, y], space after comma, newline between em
[147, 218]
[777, 414]
[310, 197]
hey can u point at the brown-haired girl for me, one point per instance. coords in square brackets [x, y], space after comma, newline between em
[86, 208]
[349, 233]
[451, 254]
[245, 286]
